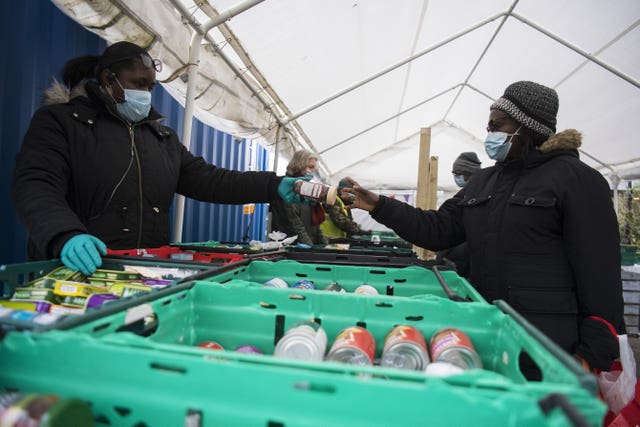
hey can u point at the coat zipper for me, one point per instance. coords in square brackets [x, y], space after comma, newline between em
[140, 198]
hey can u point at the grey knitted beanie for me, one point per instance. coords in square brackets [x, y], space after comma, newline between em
[466, 164]
[532, 105]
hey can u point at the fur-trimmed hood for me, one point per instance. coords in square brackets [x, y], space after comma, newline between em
[569, 139]
[58, 93]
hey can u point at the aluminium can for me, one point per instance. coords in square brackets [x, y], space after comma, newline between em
[454, 346]
[305, 340]
[405, 348]
[354, 345]
[276, 282]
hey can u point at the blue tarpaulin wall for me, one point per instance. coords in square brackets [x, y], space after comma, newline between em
[38, 39]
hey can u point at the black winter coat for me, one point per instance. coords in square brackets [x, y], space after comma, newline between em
[542, 235]
[83, 169]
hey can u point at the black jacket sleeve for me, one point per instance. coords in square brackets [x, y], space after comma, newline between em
[592, 244]
[203, 181]
[40, 185]
[433, 230]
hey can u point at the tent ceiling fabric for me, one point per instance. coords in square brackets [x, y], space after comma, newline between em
[310, 50]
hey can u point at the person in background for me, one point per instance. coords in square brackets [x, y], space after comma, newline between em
[339, 221]
[540, 225]
[300, 219]
[463, 168]
[97, 168]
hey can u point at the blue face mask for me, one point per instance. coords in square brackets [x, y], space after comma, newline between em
[459, 179]
[497, 146]
[136, 105]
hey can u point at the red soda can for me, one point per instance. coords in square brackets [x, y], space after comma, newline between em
[354, 345]
[211, 345]
[454, 346]
[405, 348]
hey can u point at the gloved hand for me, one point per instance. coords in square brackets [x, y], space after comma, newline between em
[82, 252]
[285, 188]
[598, 345]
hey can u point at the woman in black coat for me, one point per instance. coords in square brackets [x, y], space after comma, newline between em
[540, 225]
[97, 168]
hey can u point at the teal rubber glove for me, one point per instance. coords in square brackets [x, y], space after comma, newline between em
[285, 188]
[82, 253]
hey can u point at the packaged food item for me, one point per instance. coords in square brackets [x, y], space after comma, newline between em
[211, 345]
[316, 191]
[334, 287]
[405, 348]
[248, 349]
[366, 290]
[276, 282]
[35, 294]
[115, 275]
[74, 289]
[354, 345]
[127, 289]
[96, 300]
[304, 284]
[454, 346]
[305, 340]
[39, 306]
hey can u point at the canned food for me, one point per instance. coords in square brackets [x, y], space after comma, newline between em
[334, 287]
[405, 348]
[354, 345]
[454, 346]
[304, 284]
[248, 349]
[211, 345]
[305, 340]
[276, 282]
[366, 290]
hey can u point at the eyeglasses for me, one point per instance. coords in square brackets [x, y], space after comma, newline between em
[146, 60]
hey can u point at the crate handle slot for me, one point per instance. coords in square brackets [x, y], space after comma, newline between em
[267, 305]
[301, 274]
[553, 400]
[168, 368]
[101, 327]
[384, 304]
[309, 386]
[377, 272]
[298, 297]
[399, 280]
[123, 412]
[414, 318]
[323, 269]
[167, 302]
[279, 328]
[362, 324]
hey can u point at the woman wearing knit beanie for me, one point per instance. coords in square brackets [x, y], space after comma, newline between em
[540, 225]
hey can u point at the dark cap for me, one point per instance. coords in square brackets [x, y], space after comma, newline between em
[466, 164]
[532, 105]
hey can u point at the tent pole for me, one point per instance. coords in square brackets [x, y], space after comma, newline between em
[576, 49]
[397, 65]
[192, 73]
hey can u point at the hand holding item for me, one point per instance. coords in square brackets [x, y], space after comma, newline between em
[285, 188]
[360, 197]
[82, 252]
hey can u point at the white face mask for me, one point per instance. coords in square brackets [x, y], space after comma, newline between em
[498, 144]
[136, 105]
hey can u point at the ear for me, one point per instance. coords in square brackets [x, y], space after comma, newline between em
[106, 77]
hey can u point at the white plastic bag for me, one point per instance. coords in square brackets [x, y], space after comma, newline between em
[618, 387]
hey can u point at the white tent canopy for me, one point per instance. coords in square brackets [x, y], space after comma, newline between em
[355, 80]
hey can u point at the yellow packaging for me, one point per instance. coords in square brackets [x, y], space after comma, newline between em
[75, 289]
[128, 289]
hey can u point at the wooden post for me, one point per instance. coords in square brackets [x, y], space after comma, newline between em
[427, 186]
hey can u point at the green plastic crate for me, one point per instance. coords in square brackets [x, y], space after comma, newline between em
[13, 276]
[162, 378]
[406, 281]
